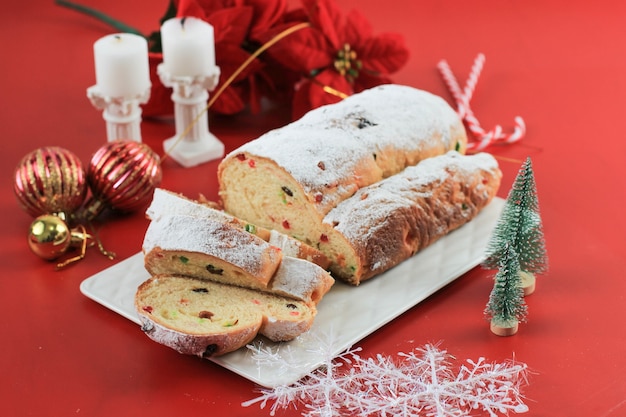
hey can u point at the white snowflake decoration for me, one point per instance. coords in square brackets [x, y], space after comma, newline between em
[421, 383]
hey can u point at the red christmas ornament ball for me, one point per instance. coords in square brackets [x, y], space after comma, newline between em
[122, 176]
[50, 180]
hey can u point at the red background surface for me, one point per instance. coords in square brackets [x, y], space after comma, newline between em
[559, 64]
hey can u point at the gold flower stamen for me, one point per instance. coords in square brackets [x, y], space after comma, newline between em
[346, 62]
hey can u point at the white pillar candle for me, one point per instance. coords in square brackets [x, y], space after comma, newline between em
[122, 68]
[188, 47]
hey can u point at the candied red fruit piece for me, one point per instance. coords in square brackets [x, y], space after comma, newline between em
[319, 197]
[241, 157]
[148, 309]
[324, 238]
[286, 224]
[251, 163]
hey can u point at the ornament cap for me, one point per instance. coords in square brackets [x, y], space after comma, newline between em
[92, 209]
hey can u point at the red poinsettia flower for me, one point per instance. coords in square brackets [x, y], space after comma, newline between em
[265, 13]
[337, 54]
[317, 55]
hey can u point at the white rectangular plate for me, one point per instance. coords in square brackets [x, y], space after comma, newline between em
[346, 314]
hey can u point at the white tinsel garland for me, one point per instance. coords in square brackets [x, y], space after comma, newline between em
[420, 383]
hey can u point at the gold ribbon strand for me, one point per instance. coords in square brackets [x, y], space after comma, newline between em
[234, 75]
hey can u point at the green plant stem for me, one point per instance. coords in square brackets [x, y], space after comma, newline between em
[114, 23]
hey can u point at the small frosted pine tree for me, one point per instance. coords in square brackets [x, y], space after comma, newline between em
[520, 226]
[506, 306]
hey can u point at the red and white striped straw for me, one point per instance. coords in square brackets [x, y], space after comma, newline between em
[472, 79]
[462, 98]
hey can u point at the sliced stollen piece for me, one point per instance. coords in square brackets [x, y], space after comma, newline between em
[290, 178]
[301, 280]
[294, 278]
[388, 222]
[215, 256]
[297, 249]
[165, 202]
[227, 251]
[206, 318]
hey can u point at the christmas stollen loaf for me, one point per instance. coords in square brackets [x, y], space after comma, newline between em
[290, 178]
[205, 318]
[311, 178]
[388, 222]
[166, 202]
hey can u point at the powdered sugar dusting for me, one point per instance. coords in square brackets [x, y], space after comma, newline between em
[167, 202]
[193, 234]
[300, 150]
[344, 135]
[356, 217]
[388, 115]
[290, 247]
[299, 278]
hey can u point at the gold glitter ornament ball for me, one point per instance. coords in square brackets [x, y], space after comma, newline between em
[49, 237]
[50, 180]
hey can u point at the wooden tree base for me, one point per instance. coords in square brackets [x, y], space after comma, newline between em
[504, 329]
[528, 282]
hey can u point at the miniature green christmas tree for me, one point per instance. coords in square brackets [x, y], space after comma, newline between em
[506, 306]
[520, 226]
